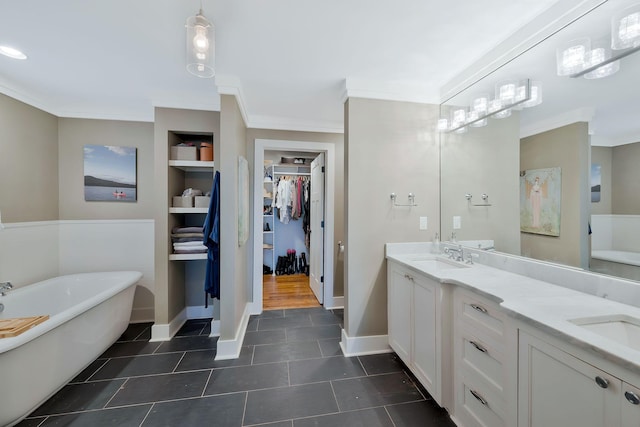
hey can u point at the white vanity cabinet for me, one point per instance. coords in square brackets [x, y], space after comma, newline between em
[559, 389]
[483, 357]
[415, 329]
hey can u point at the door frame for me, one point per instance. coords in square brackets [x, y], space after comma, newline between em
[262, 145]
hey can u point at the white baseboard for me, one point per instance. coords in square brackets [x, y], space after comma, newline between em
[338, 302]
[164, 332]
[230, 349]
[360, 346]
[215, 328]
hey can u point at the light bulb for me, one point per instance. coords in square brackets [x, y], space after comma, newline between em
[200, 41]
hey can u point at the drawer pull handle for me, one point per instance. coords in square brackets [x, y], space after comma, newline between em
[632, 397]
[479, 308]
[478, 346]
[477, 396]
[602, 382]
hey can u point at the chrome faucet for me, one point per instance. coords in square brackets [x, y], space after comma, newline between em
[456, 254]
[5, 287]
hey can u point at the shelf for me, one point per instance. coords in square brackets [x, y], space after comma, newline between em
[268, 232]
[192, 165]
[188, 210]
[187, 257]
[268, 216]
[267, 246]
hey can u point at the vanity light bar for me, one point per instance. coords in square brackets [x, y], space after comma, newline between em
[519, 100]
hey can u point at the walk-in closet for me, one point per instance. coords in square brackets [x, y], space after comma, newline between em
[289, 211]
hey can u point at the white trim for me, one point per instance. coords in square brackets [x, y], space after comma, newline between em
[230, 85]
[559, 120]
[230, 349]
[359, 88]
[361, 346]
[267, 144]
[338, 302]
[164, 332]
[106, 221]
[8, 225]
[215, 328]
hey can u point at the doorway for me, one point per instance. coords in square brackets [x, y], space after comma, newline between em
[294, 286]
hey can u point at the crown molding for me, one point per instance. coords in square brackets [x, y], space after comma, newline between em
[558, 16]
[559, 120]
[390, 91]
[231, 85]
[12, 90]
[295, 125]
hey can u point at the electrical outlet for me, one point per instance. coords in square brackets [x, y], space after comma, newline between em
[457, 223]
[423, 223]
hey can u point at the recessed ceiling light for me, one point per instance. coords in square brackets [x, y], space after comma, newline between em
[12, 53]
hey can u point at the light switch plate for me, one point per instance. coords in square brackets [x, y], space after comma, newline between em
[423, 223]
[457, 223]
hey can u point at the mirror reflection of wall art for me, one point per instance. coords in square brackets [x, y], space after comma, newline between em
[540, 201]
[596, 182]
[110, 174]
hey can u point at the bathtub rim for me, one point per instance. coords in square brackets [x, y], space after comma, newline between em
[125, 278]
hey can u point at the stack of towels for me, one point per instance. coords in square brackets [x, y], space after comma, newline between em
[188, 240]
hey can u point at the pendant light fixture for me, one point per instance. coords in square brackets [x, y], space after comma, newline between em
[200, 46]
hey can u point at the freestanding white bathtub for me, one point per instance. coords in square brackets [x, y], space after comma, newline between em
[88, 312]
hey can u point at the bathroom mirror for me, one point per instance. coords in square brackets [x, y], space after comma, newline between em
[583, 136]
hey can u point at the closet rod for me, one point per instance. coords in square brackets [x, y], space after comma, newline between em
[293, 173]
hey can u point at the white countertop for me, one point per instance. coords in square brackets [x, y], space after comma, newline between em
[541, 304]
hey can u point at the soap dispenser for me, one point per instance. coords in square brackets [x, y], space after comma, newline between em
[435, 245]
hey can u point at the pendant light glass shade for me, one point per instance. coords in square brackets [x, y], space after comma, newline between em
[625, 28]
[572, 57]
[535, 97]
[200, 46]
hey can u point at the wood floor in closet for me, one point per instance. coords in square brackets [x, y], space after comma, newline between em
[287, 291]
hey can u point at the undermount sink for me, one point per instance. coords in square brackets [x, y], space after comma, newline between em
[620, 328]
[437, 264]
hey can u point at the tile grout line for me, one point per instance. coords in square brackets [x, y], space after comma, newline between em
[335, 397]
[147, 414]
[362, 365]
[114, 394]
[244, 410]
[206, 383]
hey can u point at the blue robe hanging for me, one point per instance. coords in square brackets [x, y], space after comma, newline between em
[212, 241]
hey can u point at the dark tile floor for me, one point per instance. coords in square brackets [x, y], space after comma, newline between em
[290, 373]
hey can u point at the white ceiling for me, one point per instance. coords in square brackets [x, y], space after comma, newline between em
[117, 59]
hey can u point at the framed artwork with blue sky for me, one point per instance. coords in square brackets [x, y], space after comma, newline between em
[110, 173]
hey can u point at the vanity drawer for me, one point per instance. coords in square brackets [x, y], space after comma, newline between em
[483, 359]
[482, 317]
[477, 406]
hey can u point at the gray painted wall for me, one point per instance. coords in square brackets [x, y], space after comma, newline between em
[389, 147]
[28, 162]
[625, 177]
[568, 148]
[603, 157]
[73, 135]
[235, 290]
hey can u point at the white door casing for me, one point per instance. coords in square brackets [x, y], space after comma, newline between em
[316, 246]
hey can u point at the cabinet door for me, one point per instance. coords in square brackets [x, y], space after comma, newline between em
[400, 290]
[630, 406]
[425, 347]
[557, 389]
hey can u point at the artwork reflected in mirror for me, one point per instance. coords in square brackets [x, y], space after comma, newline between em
[540, 201]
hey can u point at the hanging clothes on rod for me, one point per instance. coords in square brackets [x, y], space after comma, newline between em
[291, 200]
